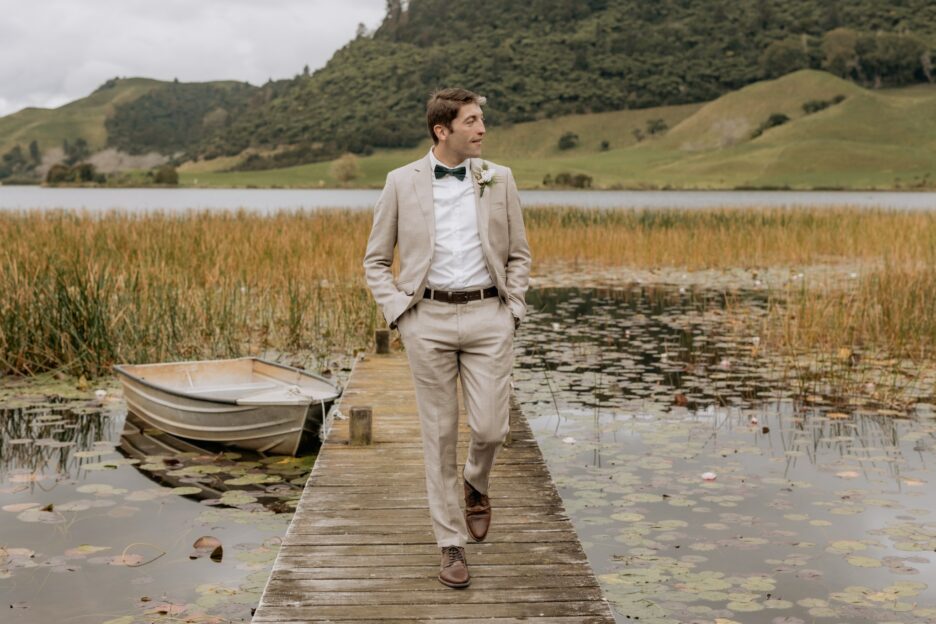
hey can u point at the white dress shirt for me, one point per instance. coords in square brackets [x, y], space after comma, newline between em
[457, 259]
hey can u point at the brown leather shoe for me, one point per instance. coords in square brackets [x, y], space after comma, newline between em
[477, 512]
[454, 568]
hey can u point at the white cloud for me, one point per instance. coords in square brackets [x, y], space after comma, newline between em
[55, 51]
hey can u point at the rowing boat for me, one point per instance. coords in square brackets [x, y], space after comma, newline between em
[245, 402]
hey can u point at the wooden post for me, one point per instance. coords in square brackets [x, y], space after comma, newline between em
[382, 338]
[361, 425]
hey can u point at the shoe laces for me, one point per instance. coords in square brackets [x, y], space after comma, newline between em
[476, 498]
[454, 554]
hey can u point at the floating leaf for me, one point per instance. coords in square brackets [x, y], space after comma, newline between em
[18, 507]
[253, 479]
[208, 545]
[187, 490]
[840, 547]
[100, 489]
[84, 550]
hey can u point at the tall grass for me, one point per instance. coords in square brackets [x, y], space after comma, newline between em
[81, 292]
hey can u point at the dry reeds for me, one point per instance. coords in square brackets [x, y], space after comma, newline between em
[81, 292]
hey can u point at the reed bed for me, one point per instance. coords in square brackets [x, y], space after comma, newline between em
[82, 291]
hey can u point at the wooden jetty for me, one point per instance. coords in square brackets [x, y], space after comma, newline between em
[360, 547]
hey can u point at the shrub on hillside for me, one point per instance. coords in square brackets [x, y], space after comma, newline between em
[656, 126]
[775, 119]
[814, 106]
[568, 141]
[345, 168]
[577, 180]
[60, 173]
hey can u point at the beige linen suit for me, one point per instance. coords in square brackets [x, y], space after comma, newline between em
[473, 340]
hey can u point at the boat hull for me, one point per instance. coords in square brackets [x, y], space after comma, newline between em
[268, 428]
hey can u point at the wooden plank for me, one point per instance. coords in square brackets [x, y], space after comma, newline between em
[285, 583]
[466, 612]
[425, 597]
[300, 546]
[430, 558]
[341, 529]
[522, 534]
[360, 546]
[427, 573]
[575, 619]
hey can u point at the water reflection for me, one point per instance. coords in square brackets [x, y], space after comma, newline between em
[53, 437]
[94, 525]
[672, 435]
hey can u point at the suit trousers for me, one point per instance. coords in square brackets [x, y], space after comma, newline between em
[472, 341]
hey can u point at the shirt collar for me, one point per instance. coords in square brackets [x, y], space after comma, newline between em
[433, 161]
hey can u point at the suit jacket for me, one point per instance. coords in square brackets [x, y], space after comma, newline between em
[405, 217]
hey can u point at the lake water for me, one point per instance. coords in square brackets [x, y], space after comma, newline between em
[703, 487]
[271, 200]
[815, 511]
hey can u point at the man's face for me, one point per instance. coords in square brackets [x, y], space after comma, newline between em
[464, 139]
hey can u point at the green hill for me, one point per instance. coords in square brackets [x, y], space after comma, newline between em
[134, 115]
[83, 118]
[551, 58]
[613, 72]
[871, 139]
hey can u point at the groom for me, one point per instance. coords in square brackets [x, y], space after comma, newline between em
[464, 270]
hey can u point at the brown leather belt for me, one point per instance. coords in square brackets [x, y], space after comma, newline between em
[459, 296]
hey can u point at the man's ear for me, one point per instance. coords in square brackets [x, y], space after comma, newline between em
[440, 131]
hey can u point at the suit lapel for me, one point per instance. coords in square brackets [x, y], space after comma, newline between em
[481, 201]
[422, 182]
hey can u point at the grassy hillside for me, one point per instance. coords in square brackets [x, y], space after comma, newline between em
[81, 118]
[551, 58]
[872, 139]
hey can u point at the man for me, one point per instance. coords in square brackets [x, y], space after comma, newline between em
[464, 271]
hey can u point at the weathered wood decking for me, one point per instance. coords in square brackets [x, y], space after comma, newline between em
[360, 547]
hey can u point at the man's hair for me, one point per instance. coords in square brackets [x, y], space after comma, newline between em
[444, 104]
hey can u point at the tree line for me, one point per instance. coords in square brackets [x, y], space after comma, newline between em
[533, 60]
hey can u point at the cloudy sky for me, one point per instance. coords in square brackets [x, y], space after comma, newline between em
[55, 51]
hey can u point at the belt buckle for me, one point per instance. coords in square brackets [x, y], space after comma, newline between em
[459, 296]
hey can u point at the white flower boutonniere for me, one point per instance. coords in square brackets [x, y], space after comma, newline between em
[485, 177]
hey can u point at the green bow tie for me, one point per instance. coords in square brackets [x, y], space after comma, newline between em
[441, 172]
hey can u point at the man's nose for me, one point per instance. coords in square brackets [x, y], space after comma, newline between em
[481, 128]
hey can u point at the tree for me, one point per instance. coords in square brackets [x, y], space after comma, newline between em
[894, 59]
[346, 168]
[305, 70]
[76, 151]
[783, 57]
[166, 174]
[839, 52]
[34, 152]
[58, 173]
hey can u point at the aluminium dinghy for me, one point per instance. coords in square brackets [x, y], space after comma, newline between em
[245, 402]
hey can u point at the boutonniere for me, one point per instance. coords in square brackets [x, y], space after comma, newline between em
[485, 177]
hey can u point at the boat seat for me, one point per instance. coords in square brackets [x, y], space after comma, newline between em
[232, 392]
[292, 395]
